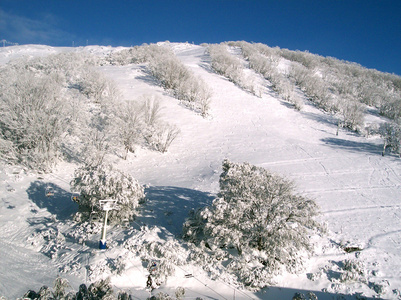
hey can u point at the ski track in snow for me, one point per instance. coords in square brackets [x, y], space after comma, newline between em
[357, 189]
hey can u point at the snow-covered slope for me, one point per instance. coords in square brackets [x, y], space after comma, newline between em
[357, 189]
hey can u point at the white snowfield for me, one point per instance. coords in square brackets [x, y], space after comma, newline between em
[358, 191]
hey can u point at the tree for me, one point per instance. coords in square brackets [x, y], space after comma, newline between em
[32, 118]
[99, 182]
[129, 125]
[391, 134]
[353, 113]
[258, 214]
[226, 64]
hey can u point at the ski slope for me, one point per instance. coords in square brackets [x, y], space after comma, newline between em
[357, 189]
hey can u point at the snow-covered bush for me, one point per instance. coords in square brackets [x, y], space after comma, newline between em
[353, 113]
[227, 65]
[32, 119]
[138, 122]
[391, 134]
[180, 293]
[353, 270]
[45, 111]
[169, 70]
[161, 136]
[84, 231]
[97, 87]
[315, 88]
[101, 289]
[195, 93]
[161, 256]
[133, 55]
[157, 134]
[390, 106]
[175, 76]
[258, 214]
[264, 60]
[128, 125]
[59, 291]
[100, 182]
[60, 286]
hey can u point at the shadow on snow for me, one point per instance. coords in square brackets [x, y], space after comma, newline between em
[168, 206]
[59, 203]
[353, 146]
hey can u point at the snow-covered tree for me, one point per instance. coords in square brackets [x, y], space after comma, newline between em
[32, 119]
[100, 182]
[226, 64]
[353, 113]
[176, 77]
[128, 125]
[138, 122]
[391, 134]
[258, 214]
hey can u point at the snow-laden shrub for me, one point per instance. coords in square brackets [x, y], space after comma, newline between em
[229, 66]
[139, 124]
[353, 113]
[380, 287]
[83, 231]
[315, 88]
[353, 270]
[128, 125]
[101, 289]
[175, 76]
[60, 286]
[161, 256]
[266, 63]
[258, 214]
[195, 93]
[44, 107]
[161, 136]
[133, 55]
[169, 70]
[32, 119]
[98, 87]
[390, 106]
[391, 134]
[100, 182]
[59, 291]
[180, 293]
[308, 60]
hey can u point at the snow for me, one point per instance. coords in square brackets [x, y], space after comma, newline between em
[357, 189]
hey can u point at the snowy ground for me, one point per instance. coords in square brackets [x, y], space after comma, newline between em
[357, 189]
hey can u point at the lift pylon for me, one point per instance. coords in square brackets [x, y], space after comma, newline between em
[106, 205]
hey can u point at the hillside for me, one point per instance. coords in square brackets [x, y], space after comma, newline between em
[356, 188]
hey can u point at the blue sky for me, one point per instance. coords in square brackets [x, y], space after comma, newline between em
[367, 32]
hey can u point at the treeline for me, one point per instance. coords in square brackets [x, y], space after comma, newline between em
[62, 107]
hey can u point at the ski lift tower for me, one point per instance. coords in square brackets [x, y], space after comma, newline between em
[106, 205]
